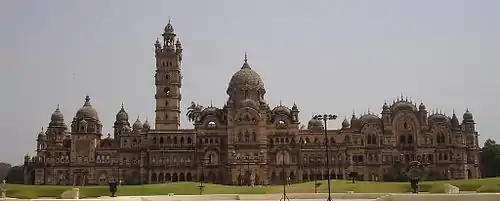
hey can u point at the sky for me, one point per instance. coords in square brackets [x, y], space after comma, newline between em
[327, 56]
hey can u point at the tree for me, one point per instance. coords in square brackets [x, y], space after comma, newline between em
[15, 175]
[4, 169]
[490, 159]
[194, 111]
[353, 176]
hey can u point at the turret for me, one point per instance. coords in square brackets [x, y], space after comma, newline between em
[295, 112]
[423, 114]
[468, 121]
[121, 123]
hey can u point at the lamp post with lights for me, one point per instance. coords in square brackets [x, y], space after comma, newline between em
[325, 118]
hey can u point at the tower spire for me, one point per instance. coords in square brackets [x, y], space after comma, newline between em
[246, 57]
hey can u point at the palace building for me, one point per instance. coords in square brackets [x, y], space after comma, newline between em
[246, 142]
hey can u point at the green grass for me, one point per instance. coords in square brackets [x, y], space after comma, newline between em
[188, 188]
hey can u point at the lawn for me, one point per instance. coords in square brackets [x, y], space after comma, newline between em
[187, 188]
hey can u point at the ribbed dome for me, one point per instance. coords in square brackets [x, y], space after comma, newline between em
[281, 109]
[169, 28]
[437, 117]
[87, 111]
[468, 115]
[210, 110]
[41, 135]
[403, 105]
[57, 115]
[245, 79]
[345, 123]
[137, 125]
[369, 118]
[146, 125]
[315, 123]
[122, 115]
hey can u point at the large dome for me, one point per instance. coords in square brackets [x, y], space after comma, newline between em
[87, 111]
[245, 79]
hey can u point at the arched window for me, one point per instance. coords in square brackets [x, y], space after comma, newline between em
[211, 124]
[210, 159]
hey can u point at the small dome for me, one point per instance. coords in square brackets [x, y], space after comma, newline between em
[421, 106]
[122, 115]
[345, 123]
[468, 115]
[385, 106]
[294, 107]
[146, 125]
[249, 103]
[87, 111]
[41, 135]
[137, 124]
[370, 118]
[210, 110]
[169, 28]
[281, 110]
[245, 79]
[57, 115]
[315, 123]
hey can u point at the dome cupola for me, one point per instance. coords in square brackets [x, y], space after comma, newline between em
[137, 124]
[122, 115]
[246, 84]
[87, 111]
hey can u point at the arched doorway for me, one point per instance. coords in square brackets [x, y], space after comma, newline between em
[32, 177]
[189, 177]
[78, 180]
[469, 174]
[240, 180]
[153, 178]
[168, 177]
[161, 178]
[182, 177]
[175, 178]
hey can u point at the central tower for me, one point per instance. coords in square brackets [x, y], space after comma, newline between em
[168, 80]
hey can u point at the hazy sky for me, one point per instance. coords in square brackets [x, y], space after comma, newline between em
[325, 55]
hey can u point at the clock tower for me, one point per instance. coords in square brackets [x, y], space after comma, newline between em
[168, 78]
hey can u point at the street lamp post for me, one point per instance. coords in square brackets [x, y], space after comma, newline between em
[249, 174]
[315, 164]
[202, 176]
[325, 118]
[284, 197]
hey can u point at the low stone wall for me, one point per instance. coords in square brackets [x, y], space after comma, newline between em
[441, 197]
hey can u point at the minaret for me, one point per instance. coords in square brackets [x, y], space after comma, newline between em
[168, 80]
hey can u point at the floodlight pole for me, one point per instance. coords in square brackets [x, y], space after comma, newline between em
[284, 197]
[325, 119]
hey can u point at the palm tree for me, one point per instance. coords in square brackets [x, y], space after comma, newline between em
[194, 111]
